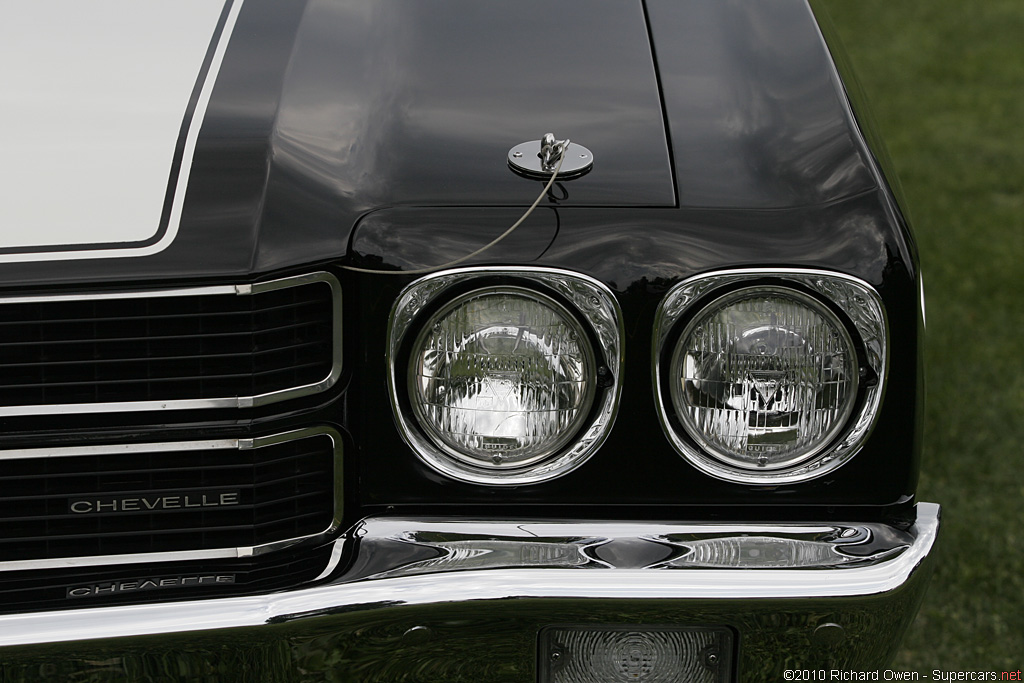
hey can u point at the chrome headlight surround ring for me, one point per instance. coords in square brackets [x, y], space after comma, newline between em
[856, 299]
[587, 298]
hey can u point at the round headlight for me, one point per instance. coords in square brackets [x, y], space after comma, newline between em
[501, 377]
[764, 378]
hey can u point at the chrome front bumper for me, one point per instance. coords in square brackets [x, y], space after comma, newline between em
[461, 600]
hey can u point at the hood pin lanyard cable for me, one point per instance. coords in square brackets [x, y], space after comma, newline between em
[421, 271]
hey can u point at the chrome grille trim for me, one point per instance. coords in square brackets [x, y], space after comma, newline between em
[238, 402]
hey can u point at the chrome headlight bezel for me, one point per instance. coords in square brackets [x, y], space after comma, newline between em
[586, 299]
[864, 314]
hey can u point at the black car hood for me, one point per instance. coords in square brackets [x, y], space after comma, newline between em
[325, 113]
[412, 103]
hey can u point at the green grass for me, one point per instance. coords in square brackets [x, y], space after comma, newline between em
[945, 79]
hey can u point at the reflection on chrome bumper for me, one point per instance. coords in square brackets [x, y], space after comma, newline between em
[464, 600]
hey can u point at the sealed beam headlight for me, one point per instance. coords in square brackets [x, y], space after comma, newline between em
[767, 383]
[764, 377]
[501, 377]
[505, 376]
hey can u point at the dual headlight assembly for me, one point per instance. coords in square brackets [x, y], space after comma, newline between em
[512, 376]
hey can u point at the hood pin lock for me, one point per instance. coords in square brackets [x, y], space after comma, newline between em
[538, 159]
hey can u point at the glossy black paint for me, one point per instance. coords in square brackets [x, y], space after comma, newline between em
[375, 134]
[640, 264]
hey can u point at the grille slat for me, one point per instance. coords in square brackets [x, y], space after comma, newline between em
[51, 478]
[127, 359]
[179, 378]
[117, 502]
[21, 477]
[193, 349]
[215, 315]
[95, 339]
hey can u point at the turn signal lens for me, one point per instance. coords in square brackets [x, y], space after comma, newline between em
[502, 377]
[764, 378]
[609, 654]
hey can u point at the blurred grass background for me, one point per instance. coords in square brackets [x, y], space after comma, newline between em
[945, 80]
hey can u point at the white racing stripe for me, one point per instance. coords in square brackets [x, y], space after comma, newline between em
[92, 107]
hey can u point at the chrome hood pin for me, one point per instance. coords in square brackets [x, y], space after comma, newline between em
[538, 159]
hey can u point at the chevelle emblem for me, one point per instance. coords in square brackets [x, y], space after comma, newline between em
[157, 583]
[146, 503]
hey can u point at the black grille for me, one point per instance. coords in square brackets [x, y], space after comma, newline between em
[129, 502]
[165, 348]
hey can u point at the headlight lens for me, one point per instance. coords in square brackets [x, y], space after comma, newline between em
[764, 378]
[501, 377]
